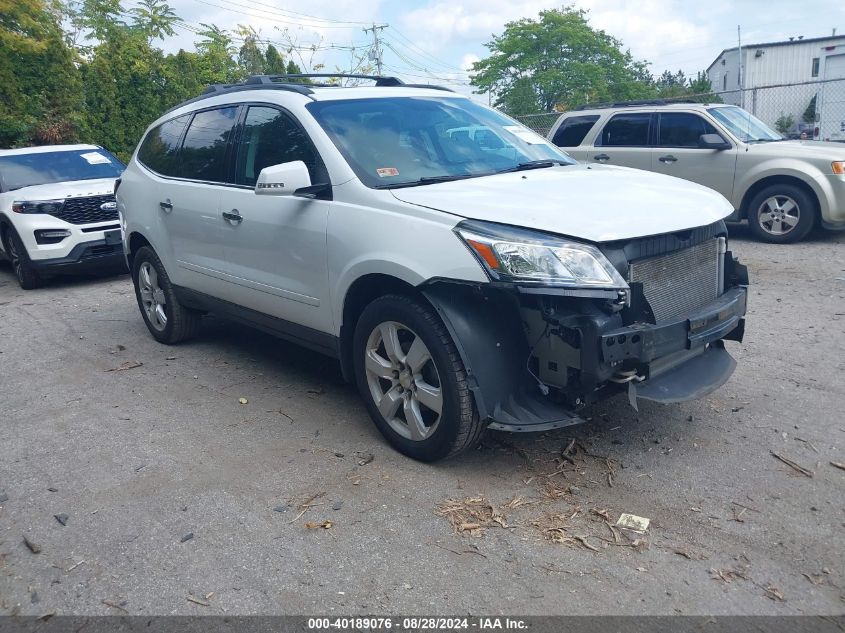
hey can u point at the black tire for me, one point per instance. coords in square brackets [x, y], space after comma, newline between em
[763, 220]
[27, 275]
[181, 322]
[459, 427]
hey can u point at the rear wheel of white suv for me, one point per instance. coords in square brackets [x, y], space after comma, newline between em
[413, 380]
[28, 277]
[167, 320]
[781, 214]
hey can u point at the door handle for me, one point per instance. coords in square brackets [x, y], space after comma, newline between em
[601, 157]
[233, 216]
[668, 159]
[166, 205]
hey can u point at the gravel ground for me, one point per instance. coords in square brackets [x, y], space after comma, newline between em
[141, 458]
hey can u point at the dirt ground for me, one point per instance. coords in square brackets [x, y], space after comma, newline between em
[179, 499]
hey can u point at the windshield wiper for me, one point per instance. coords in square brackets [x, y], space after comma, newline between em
[428, 180]
[533, 164]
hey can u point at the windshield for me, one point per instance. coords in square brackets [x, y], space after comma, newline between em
[42, 168]
[404, 141]
[744, 125]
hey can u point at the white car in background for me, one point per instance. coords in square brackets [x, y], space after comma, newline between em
[465, 272]
[58, 212]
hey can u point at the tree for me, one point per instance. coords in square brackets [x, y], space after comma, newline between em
[101, 18]
[251, 59]
[123, 90]
[155, 19]
[216, 56]
[274, 63]
[41, 97]
[784, 123]
[809, 115]
[562, 60]
[671, 84]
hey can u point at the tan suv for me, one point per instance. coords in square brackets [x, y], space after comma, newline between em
[783, 188]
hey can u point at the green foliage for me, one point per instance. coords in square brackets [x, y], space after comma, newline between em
[809, 115]
[784, 123]
[155, 19]
[563, 61]
[40, 100]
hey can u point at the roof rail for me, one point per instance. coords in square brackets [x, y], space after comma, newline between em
[267, 79]
[632, 104]
[380, 81]
[288, 82]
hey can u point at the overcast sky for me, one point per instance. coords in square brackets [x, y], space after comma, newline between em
[437, 40]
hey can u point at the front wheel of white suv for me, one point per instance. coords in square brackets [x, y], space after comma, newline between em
[27, 275]
[413, 380]
[167, 320]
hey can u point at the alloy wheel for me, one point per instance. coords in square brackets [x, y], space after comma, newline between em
[152, 296]
[403, 380]
[778, 215]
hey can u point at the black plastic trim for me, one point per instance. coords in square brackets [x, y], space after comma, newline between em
[80, 258]
[315, 340]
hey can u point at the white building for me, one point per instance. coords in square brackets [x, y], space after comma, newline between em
[775, 79]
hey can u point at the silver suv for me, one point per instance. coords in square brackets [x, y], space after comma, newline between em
[466, 273]
[784, 188]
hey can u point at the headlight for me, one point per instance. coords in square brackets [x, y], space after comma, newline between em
[49, 207]
[510, 254]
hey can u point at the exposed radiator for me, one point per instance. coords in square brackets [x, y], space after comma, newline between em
[678, 283]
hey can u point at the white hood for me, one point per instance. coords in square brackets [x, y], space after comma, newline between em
[72, 189]
[595, 203]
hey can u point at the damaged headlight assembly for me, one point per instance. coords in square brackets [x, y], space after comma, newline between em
[529, 258]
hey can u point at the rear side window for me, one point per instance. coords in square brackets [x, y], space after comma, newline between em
[203, 153]
[270, 137]
[682, 129]
[158, 150]
[573, 130]
[626, 130]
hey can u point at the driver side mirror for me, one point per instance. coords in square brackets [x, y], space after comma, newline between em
[712, 141]
[283, 179]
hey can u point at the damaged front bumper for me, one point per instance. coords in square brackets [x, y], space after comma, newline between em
[534, 359]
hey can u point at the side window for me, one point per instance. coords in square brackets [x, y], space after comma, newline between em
[626, 130]
[573, 130]
[158, 149]
[203, 153]
[270, 137]
[682, 129]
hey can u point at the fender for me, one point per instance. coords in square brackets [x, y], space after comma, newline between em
[783, 167]
[486, 327]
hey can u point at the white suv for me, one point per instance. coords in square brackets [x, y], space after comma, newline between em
[465, 280]
[58, 212]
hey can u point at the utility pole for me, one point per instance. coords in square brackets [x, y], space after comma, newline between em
[375, 51]
[739, 75]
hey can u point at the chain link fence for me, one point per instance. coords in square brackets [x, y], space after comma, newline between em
[811, 110]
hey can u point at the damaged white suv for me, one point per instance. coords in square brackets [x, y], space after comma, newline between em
[466, 273]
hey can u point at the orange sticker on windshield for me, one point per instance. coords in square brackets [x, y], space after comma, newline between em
[384, 172]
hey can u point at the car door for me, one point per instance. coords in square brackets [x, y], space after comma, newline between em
[275, 246]
[677, 152]
[625, 140]
[190, 203]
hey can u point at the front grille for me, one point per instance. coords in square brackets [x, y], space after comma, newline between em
[87, 210]
[677, 283]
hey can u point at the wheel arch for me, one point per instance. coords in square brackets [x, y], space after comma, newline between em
[136, 241]
[363, 291]
[778, 179]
